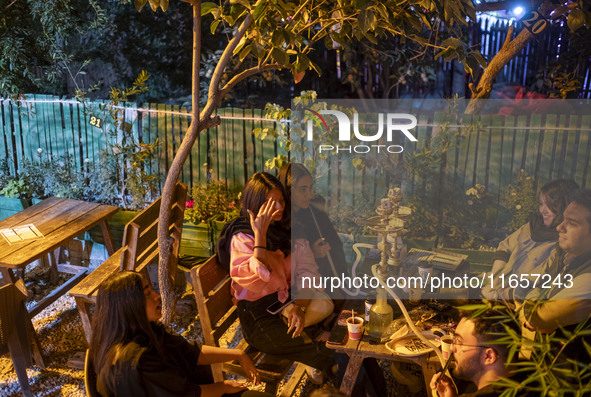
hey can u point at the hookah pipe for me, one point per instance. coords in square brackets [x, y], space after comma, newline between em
[409, 321]
[357, 260]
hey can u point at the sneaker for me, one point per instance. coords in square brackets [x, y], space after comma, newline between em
[315, 375]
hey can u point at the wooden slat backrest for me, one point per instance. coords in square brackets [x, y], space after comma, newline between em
[219, 302]
[140, 237]
[211, 284]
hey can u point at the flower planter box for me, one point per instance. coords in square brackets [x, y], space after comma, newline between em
[116, 226]
[217, 224]
[200, 239]
[196, 239]
[10, 206]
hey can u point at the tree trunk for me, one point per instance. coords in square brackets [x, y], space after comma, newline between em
[165, 272]
[199, 122]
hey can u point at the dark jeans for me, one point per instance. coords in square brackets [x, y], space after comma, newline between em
[268, 333]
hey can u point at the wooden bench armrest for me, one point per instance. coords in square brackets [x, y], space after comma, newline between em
[87, 287]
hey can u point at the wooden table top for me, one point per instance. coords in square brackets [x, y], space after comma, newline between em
[368, 349]
[58, 219]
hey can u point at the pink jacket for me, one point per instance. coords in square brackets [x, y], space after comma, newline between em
[251, 280]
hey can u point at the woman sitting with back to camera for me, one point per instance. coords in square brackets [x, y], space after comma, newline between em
[532, 243]
[132, 355]
[259, 252]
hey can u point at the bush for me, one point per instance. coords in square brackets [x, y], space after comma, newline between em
[209, 200]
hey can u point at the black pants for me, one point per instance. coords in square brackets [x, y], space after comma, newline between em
[268, 333]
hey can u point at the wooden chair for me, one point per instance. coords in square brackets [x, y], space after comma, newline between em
[217, 312]
[140, 248]
[90, 378]
[14, 333]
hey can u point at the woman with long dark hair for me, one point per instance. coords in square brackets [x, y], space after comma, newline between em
[258, 250]
[134, 356]
[313, 222]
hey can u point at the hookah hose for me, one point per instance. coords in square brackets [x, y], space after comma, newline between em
[410, 323]
[357, 260]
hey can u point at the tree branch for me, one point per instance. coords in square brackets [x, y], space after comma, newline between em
[510, 49]
[245, 74]
[228, 53]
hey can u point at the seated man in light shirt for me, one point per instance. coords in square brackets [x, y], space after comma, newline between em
[562, 295]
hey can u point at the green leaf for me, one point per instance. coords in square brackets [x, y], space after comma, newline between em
[302, 62]
[154, 4]
[444, 53]
[214, 25]
[371, 38]
[479, 58]
[139, 4]
[245, 3]
[470, 65]
[477, 306]
[239, 46]
[259, 11]
[208, 7]
[452, 43]
[280, 56]
[425, 20]
[576, 19]
[367, 20]
[245, 51]
[258, 49]
[419, 39]
[277, 38]
[316, 68]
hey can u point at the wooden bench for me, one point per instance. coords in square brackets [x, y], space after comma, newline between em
[139, 249]
[217, 313]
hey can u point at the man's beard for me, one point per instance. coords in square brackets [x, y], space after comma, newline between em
[468, 369]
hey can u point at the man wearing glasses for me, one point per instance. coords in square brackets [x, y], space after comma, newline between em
[477, 358]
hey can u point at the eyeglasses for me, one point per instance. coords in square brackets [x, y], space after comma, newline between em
[457, 342]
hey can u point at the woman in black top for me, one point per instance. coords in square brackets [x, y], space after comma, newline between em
[134, 356]
[313, 222]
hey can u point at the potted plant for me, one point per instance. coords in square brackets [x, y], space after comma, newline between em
[206, 212]
[12, 198]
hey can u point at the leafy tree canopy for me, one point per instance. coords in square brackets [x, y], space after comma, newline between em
[35, 35]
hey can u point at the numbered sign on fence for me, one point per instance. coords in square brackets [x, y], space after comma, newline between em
[95, 121]
[534, 22]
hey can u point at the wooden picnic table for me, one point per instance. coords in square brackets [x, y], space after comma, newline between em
[360, 350]
[59, 220]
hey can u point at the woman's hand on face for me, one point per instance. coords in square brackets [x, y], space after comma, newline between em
[232, 386]
[295, 321]
[320, 248]
[261, 222]
[249, 368]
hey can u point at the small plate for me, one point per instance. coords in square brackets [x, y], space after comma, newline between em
[411, 345]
